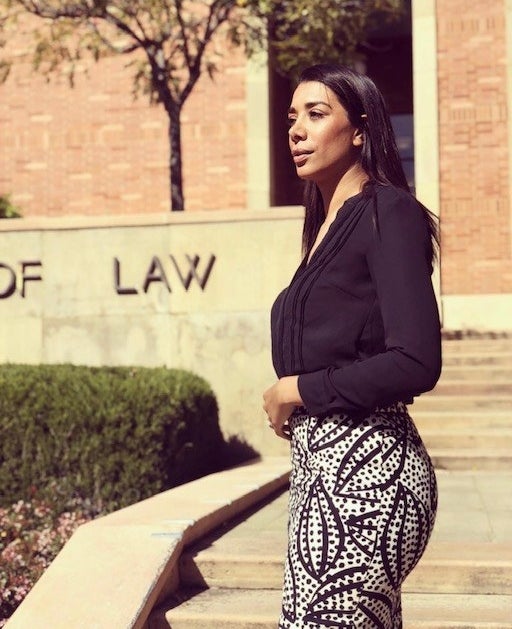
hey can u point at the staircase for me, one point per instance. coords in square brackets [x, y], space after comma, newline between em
[466, 422]
[233, 578]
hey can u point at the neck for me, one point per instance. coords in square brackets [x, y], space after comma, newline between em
[334, 194]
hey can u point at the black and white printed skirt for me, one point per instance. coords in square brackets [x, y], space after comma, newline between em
[363, 499]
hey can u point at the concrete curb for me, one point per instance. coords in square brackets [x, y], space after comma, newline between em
[115, 569]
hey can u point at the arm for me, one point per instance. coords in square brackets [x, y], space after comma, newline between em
[411, 363]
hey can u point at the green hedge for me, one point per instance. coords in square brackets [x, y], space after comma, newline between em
[8, 209]
[112, 435]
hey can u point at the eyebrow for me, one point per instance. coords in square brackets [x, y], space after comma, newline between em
[310, 105]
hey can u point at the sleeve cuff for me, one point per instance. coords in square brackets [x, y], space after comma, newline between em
[312, 391]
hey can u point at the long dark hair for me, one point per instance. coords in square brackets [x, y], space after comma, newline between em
[380, 159]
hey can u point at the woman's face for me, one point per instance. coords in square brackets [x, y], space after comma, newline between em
[323, 142]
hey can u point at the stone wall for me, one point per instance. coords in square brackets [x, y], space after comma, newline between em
[186, 291]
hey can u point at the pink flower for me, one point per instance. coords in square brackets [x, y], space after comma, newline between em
[31, 535]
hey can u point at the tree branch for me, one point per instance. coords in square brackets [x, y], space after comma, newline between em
[218, 14]
[108, 44]
[123, 27]
[74, 10]
[184, 36]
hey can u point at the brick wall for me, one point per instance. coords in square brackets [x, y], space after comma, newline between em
[94, 150]
[474, 158]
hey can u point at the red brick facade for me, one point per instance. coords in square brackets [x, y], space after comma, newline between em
[94, 150]
[474, 151]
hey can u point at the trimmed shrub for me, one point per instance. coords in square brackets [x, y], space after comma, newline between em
[113, 435]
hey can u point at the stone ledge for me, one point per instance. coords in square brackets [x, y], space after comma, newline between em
[115, 569]
[72, 222]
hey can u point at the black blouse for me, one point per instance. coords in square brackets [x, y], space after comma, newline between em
[359, 323]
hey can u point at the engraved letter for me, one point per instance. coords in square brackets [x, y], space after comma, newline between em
[155, 273]
[120, 290]
[192, 271]
[11, 286]
[27, 278]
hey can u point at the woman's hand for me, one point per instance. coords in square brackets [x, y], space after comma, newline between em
[279, 401]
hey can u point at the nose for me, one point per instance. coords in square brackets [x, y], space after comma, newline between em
[296, 132]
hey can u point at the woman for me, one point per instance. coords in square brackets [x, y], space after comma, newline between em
[355, 337]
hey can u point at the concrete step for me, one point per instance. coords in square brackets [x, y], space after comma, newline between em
[231, 571]
[465, 438]
[463, 581]
[477, 345]
[453, 419]
[478, 352]
[471, 458]
[463, 568]
[492, 373]
[495, 359]
[473, 388]
[468, 402]
[259, 609]
[446, 567]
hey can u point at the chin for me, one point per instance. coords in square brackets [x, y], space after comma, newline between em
[302, 173]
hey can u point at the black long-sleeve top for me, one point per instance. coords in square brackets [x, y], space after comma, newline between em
[359, 323]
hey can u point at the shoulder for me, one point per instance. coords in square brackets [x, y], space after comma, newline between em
[398, 225]
[398, 210]
[390, 199]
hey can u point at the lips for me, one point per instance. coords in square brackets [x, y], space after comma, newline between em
[300, 157]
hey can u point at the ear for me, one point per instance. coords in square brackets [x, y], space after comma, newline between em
[358, 137]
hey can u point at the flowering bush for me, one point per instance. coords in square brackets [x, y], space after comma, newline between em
[31, 534]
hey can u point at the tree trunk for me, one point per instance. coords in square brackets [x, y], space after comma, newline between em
[175, 162]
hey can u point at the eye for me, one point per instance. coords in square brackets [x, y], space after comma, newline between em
[291, 121]
[314, 114]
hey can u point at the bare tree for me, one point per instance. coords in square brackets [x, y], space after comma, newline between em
[172, 35]
[168, 42]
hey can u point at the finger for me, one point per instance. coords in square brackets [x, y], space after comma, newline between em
[283, 435]
[284, 432]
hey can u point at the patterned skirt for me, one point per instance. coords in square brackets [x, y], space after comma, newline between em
[363, 499]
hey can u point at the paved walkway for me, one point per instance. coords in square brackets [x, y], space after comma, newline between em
[474, 506]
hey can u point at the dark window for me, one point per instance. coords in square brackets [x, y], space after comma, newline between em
[389, 63]
[285, 186]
